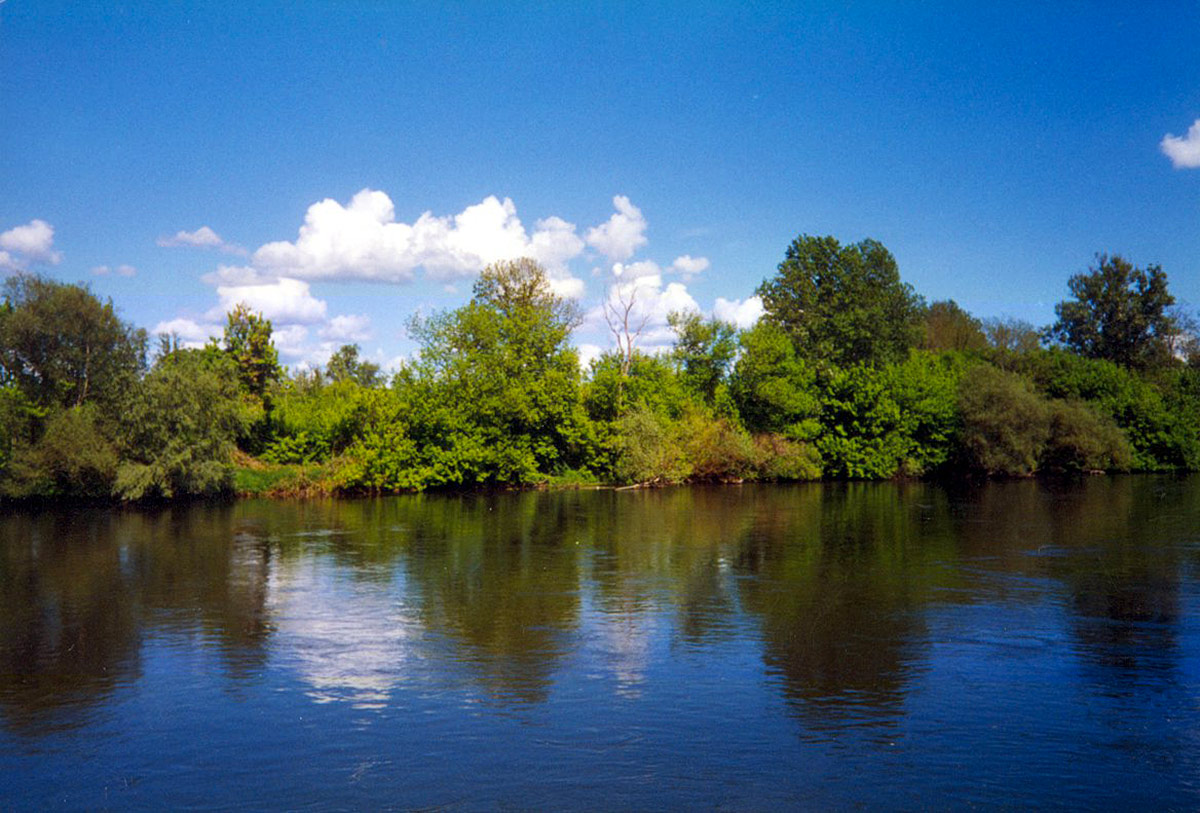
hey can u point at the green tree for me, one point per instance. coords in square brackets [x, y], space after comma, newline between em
[248, 341]
[64, 347]
[704, 350]
[494, 395]
[1119, 313]
[344, 365]
[178, 434]
[774, 389]
[843, 304]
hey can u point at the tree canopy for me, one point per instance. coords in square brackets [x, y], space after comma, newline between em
[1119, 313]
[843, 304]
[62, 346]
[248, 341]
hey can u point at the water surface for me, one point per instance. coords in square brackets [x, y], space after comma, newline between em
[818, 646]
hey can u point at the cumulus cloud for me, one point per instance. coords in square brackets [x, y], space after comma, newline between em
[33, 242]
[120, 270]
[622, 234]
[347, 328]
[742, 312]
[203, 237]
[289, 340]
[1184, 151]
[690, 266]
[283, 301]
[190, 332]
[642, 268]
[362, 240]
[649, 302]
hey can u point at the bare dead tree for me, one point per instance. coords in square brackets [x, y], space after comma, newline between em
[625, 321]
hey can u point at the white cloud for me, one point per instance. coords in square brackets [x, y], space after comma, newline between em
[690, 266]
[622, 234]
[742, 312]
[284, 301]
[8, 262]
[203, 237]
[554, 244]
[120, 270]
[1184, 151]
[348, 328]
[34, 242]
[190, 332]
[642, 268]
[236, 275]
[652, 302]
[289, 340]
[362, 240]
[588, 353]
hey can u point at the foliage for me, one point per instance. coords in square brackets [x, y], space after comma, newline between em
[773, 389]
[1161, 431]
[344, 365]
[1005, 423]
[704, 350]
[248, 342]
[73, 457]
[862, 427]
[180, 430]
[925, 388]
[780, 458]
[650, 448]
[651, 381]
[948, 327]
[313, 423]
[1119, 313]
[844, 305]
[1081, 439]
[64, 347]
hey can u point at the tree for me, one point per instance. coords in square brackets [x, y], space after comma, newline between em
[626, 321]
[179, 432]
[843, 304]
[949, 327]
[248, 341]
[494, 395]
[1012, 336]
[704, 350]
[1119, 313]
[64, 347]
[344, 365]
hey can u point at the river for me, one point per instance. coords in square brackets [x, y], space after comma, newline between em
[817, 646]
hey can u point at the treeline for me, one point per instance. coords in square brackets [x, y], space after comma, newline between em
[849, 374]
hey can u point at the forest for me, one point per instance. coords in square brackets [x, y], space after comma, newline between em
[849, 374]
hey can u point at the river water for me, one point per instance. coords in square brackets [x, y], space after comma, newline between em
[818, 646]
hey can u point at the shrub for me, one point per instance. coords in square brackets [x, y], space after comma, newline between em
[1005, 424]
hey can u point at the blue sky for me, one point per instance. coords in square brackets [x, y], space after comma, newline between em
[170, 154]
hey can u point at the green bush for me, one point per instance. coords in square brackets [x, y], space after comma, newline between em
[1082, 440]
[1005, 424]
[74, 457]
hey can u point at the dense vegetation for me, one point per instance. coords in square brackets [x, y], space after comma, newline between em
[849, 374]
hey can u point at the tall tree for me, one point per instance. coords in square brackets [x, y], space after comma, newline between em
[843, 304]
[704, 350]
[495, 392]
[248, 341]
[63, 346]
[1119, 313]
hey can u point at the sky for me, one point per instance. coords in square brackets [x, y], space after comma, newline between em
[342, 166]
